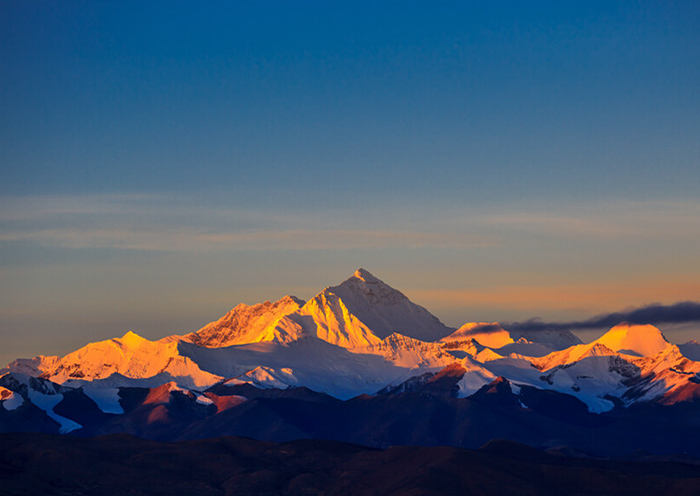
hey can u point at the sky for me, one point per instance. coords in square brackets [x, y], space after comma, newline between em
[162, 162]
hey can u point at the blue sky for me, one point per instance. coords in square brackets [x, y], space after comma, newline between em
[494, 160]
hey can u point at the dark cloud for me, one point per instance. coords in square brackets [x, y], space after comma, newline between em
[486, 328]
[678, 313]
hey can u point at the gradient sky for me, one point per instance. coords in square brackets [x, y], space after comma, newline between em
[163, 161]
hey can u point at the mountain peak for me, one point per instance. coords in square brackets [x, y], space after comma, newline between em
[364, 275]
[379, 308]
[291, 299]
[131, 339]
[642, 340]
[364, 285]
[245, 324]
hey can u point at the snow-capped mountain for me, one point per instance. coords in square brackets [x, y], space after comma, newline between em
[377, 307]
[638, 340]
[326, 343]
[630, 363]
[360, 312]
[361, 337]
[115, 361]
[494, 336]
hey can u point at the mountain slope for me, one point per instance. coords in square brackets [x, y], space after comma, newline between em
[321, 366]
[246, 324]
[691, 350]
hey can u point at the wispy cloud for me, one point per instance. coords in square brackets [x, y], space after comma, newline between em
[162, 223]
[33, 208]
[187, 238]
[156, 223]
[608, 220]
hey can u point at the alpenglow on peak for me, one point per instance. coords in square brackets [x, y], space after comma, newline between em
[365, 276]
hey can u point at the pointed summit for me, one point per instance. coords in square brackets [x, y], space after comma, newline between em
[132, 339]
[364, 275]
[364, 309]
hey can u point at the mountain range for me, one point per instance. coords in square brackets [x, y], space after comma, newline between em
[361, 363]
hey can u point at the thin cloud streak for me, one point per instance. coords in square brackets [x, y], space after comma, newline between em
[187, 239]
[32, 208]
[606, 220]
[162, 223]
